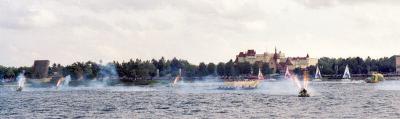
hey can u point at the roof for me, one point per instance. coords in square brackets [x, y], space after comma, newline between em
[241, 54]
[248, 53]
[251, 53]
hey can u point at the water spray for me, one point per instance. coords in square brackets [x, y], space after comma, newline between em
[303, 91]
[177, 78]
[63, 82]
[21, 81]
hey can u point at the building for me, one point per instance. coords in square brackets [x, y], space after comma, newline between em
[397, 64]
[277, 60]
[40, 69]
[251, 56]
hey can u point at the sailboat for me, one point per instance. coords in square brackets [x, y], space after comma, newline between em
[260, 75]
[318, 75]
[287, 74]
[346, 75]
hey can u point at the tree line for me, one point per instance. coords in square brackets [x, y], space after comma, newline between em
[150, 69]
[357, 65]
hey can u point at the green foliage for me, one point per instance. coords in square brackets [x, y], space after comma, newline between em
[266, 69]
[221, 69]
[357, 65]
[243, 68]
[202, 69]
[138, 69]
[211, 69]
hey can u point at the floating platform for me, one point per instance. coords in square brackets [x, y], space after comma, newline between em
[240, 85]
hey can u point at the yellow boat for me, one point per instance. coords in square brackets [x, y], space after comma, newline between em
[375, 78]
[243, 84]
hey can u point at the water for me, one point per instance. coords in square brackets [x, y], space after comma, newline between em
[202, 100]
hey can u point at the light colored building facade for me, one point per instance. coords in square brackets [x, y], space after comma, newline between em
[397, 64]
[277, 60]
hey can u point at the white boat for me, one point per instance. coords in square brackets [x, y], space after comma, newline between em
[260, 75]
[287, 74]
[318, 75]
[346, 75]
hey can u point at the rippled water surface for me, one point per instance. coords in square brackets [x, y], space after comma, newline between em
[203, 100]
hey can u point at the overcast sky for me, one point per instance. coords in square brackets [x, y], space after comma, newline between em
[66, 31]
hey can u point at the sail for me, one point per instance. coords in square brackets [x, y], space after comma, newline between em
[346, 74]
[287, 74]
[260, 75]
[318, 74]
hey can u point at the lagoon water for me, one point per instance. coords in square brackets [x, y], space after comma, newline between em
[203, 100]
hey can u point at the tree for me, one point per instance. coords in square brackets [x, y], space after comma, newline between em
[266, 69]
[311, 70]
[221, 69]
[243, 68]
[230, 69]
[202, 69]
[211, 69]
[298, 71]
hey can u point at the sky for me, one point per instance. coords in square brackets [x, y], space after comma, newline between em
[67, 31]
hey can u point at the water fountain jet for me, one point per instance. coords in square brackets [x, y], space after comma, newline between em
[63, 82]
[21, 81]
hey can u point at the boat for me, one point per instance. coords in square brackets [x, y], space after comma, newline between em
[19, 89]
[318, 76]
[260, 75]
[248, 83]
[245, 84]
[303, 93]
[375, 78]
[346, 75]
[287, 74]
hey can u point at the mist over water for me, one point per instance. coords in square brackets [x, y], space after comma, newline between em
[388, 85]
[211, 84]
[108, 73]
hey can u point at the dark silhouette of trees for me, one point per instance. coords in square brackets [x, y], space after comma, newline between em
[211, 69]
[357, 65]
[147, 69]
[202, 69]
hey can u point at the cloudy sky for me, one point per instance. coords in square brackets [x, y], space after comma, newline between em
[65, 31]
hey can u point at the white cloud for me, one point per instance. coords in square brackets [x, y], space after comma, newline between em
[66, 31]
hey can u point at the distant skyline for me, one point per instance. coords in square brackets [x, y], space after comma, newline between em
[67, 31]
